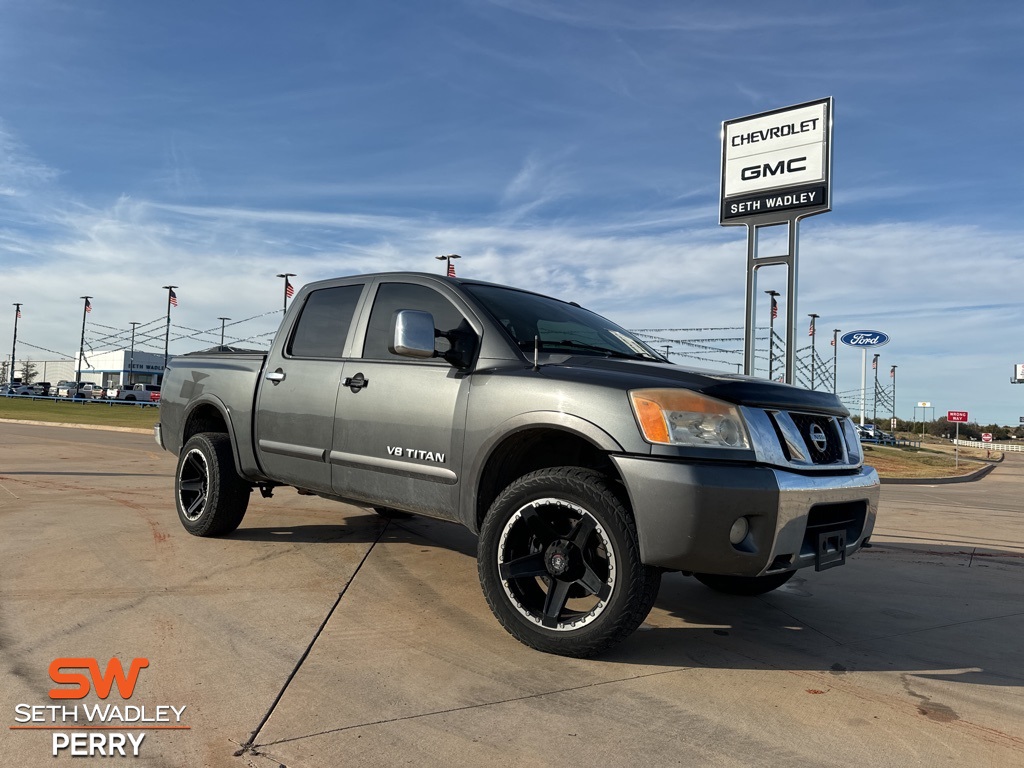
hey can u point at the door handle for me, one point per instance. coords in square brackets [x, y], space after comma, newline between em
[276, 376]
[357, 382]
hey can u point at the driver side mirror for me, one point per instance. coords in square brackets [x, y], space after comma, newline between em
[413, 334]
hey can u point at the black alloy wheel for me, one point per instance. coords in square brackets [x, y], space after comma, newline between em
[211, 497]
[560, 565]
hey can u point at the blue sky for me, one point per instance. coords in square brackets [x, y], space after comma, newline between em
[569, 147]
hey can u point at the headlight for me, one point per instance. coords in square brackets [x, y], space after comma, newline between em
[681, 417]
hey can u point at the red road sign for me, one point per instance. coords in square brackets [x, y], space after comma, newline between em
[986, 437]
[957, 416]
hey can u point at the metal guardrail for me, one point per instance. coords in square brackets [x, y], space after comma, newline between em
[989, 446]
[86, 400]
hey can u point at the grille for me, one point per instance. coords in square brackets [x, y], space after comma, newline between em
[805, 424]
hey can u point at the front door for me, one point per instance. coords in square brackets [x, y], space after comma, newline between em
[399, 426]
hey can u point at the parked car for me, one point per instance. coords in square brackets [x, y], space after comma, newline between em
[142, 393]
[866, 433]
[83, 389]
[41, 388]
[16, 389]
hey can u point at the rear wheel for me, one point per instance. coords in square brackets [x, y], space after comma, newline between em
[211, 497]
[747, 586]
[560, 565]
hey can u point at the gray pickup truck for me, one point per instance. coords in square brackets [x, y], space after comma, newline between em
[586, 462]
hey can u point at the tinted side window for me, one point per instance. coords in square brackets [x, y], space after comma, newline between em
[394, 296]
[324, 322]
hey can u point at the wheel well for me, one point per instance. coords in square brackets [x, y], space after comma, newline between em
[534, 449]
[205, 418]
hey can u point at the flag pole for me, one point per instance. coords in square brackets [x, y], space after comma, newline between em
[835, 357]
[771, 333]
[167, 333]
[288, 290]
[811, 332]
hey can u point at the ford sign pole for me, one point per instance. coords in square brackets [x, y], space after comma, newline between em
[864, 339]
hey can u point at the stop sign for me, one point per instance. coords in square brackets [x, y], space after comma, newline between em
[986, 437]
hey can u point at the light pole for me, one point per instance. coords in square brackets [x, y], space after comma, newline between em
[289, 290]
[771, 333]
[14, 344]
[131, 357]
[172, 298]
[222, 320]
[874, 365]
[450, 271]
[812, 332]
[81, 345]
[835, 356]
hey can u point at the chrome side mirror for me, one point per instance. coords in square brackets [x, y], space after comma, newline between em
[413, 334]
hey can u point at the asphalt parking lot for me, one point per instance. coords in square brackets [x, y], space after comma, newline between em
[321, 635]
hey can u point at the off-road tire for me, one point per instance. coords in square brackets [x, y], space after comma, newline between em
[551, 526]
[210, 496]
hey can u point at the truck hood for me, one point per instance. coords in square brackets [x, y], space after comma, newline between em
[733, 388]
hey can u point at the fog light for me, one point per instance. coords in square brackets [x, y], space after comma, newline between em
[739, 530]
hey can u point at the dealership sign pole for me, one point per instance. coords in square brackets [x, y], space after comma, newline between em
[863, 340]
[776, 169]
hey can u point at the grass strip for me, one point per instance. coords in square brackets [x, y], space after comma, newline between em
[87, 412]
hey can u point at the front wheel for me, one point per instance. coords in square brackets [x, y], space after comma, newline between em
[560, 565]
[746, 586]
[211, 497]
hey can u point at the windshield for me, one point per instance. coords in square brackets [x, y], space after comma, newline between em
[559, 327]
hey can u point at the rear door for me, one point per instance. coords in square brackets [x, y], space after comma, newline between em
[399, 423]
[295, 409]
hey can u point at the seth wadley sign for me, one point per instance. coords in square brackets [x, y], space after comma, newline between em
[776, 161]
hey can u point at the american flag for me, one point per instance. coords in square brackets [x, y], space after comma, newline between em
[88, 306]
[874, 364]
[775, 309]
[451, 269]
[19, 313]
[810, 331]
[892, 372]
[173, 298]
[833, 342]
[289, 289]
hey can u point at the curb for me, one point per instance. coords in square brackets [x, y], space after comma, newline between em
[976, 475]
[100, 427]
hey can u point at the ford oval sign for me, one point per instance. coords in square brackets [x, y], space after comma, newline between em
[864, 338]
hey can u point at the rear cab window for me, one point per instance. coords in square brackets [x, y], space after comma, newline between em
[323, 326]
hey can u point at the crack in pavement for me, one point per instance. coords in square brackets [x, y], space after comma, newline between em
[250, 744]
[468, 707]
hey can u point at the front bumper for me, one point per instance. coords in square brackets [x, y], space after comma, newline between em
[158, 435]
[684, 513]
